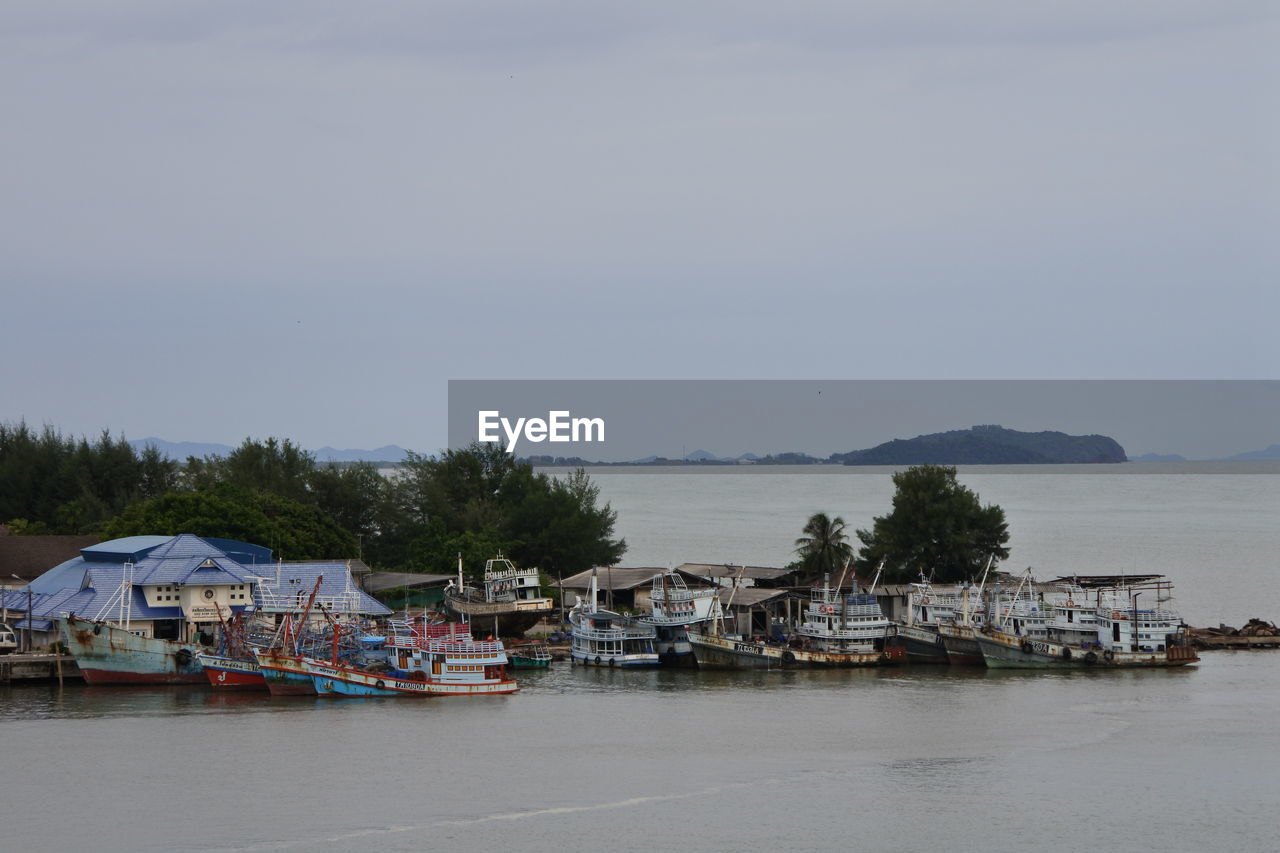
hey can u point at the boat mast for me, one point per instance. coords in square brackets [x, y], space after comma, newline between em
[965, 612]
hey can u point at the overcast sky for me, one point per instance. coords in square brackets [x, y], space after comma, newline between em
[225, 219]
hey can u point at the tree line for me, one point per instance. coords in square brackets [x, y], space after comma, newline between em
[937, 528]
[478, 501]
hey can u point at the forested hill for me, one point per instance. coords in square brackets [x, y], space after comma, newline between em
[988, 445]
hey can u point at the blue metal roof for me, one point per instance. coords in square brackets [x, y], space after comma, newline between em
[87, 584]
[123, 550]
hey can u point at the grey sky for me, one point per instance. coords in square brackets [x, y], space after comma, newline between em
[301, 219]
[1197, 419]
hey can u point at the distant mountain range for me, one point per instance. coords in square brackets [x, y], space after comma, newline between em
[180, 450]
[979, 445]
[988, 444]
[1272, 452]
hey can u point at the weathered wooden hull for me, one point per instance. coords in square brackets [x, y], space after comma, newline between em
[673, 647]
[504, 619]
[285, 675]
[107, 654]
[962, 648]
[1005, 651]
[226, 673]
[923, 645]
[723, 652]
[330, 680]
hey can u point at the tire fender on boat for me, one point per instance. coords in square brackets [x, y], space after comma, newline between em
[1108, 656]
[1091, 657]
[182, 656]
[1026, 646]
[788, 658]
[380, 684]
[1066, 653]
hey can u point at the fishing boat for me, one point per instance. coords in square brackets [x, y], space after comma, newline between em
[927, 610]
[673, 608]
[232, 665]
[604, 638]
[529, 655]
[109, 654]
[284, 672]
[509, 603]
[1101, 627]
[837, 629]
[957, 632]
[424, 659]
[225, 672]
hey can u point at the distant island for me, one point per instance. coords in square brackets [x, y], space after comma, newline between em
[180, 450]
[989, 444]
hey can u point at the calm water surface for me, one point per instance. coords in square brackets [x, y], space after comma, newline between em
[582, 759]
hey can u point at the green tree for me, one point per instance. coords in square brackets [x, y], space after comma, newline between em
[937, 526]
[556, 525]
[825, 546]
[64, 485]
[293, 530]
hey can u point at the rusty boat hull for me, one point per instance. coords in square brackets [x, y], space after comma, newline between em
[720, 651]
[107, 654]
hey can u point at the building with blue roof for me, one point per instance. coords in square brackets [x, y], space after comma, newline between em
[174, 587]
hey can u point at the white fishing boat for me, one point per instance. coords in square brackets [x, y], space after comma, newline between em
[838, 629]
[1101, 626]
[674, 606]
[508, 603]
[604, 638]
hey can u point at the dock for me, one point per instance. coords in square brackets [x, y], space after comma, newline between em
[37, 667]
[1211, 642]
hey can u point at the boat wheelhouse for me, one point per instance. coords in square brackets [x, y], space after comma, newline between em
[604, 638]
[509, 603]
[673, 607]
[834, 621]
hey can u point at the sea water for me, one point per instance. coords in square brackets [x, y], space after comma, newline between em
[906, 758]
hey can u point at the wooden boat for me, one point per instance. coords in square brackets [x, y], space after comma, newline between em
[231, 673]
[604, 638]
[673, 608]
[1104, 627]
[109, 654]
[424, 659]
[529, 655]
[510, 602]
[838, 629]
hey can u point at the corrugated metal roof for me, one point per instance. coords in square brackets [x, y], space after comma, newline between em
[378, 581]
[729, 570]
[754, 596]
[624, 578]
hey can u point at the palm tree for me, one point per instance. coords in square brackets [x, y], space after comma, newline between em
[825, 548]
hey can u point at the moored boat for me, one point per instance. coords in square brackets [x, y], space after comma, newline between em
[838, 629]
[1104, 627]
[108, 654]
[433, 659]
[529, 655]
[231, 673]
[604, 638]
[509, 603]
[673, 608]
